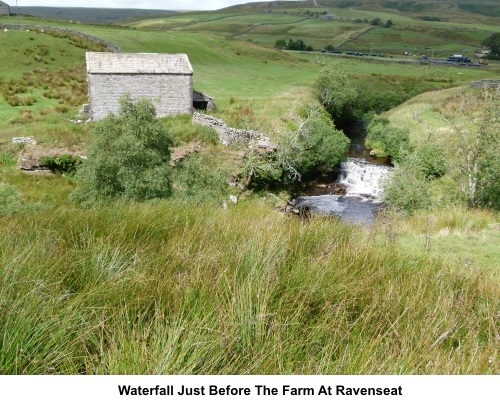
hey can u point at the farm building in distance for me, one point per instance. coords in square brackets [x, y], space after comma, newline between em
[4, 8]
[165, 79]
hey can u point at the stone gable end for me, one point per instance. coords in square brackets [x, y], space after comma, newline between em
[4, 8]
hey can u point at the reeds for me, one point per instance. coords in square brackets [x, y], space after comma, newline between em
[171, 288]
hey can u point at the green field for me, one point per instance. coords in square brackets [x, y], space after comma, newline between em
[184, 286]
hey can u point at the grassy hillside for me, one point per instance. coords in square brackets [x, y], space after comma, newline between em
[350, 30]
[454, 9]
[87, 15]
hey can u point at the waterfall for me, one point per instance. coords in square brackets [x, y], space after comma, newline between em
[363, 179]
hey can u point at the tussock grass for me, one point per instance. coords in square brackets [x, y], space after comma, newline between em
[165, 288]
[468, 238]
[455, 219]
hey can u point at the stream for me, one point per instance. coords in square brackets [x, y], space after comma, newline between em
[351, 190]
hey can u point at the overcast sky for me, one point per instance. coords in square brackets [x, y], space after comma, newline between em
[150, 4]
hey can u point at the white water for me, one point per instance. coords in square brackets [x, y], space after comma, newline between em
[363, 179]
[364, 189]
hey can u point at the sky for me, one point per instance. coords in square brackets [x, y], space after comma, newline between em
[141, 4]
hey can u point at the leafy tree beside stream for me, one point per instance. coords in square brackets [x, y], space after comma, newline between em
[310, 146]
[385, 140]
[474, 119]
[336, 94]
[130, 157]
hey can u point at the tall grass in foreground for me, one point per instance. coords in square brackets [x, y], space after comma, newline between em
[167, 288]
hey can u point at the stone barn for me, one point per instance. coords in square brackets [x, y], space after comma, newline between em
[165, 79]
[4, 8]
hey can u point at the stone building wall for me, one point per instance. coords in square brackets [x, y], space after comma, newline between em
[171, 94]
[4, 8]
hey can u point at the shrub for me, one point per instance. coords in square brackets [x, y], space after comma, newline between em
[431, 160]
[314, 145]
[493, 42]
[62, 163]
[322, 145]
[194, 182]
[292, 45]
[280, 44]
[129, 158]
[386, 140]
[336, 93]
[406, 187]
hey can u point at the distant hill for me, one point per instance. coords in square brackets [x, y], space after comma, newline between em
[489, 8]
[89, 15]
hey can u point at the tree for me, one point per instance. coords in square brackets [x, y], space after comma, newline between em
[292, 45]
[386, 140]
[336, 93]
[297, 45]
[388, 24]
[321, 144]
[280, 44]
[473, 145]
[493, 42]
[129, 158]
[314, 144]
[431, 160]
[407, 187]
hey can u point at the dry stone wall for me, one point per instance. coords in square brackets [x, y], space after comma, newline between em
[47, 29]
[227, 135]
[486, 83]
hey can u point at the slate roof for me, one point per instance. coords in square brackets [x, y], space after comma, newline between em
[138, 63]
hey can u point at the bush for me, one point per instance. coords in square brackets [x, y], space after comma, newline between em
[280, 44]
[406, 187]
[385, 140]
[314, 145]
[130, 157]
[322, 145]
[193, 181]
[431, 160]
[292, 45]
[493, 42]
[62, 163]
[336, 93]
